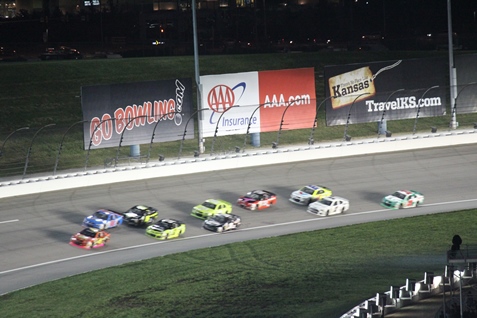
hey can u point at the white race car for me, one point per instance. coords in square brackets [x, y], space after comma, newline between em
[329, 206]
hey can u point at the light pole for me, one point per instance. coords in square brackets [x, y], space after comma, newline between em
[311, 140]
[31, 145]
[452, 70]
[384, 111]
[249, 124]
[8, 137]
[91, 139]
[419, 107]
[454, 109]
[217, 127]
[61, 144]
[197, 76]
[345, 136]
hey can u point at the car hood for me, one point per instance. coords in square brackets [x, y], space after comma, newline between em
[212, 223]
[156, 228]
[131, 215]
[91, 219]
[302, 194]
[317, 205]
[247, 200]
[81, 237]
[202, 208]
[393, 199]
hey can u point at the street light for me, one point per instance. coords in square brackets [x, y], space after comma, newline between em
[454, 122]
[384, 111]
[419, 107]
[8, 137]
[346, 137]
[31, 145]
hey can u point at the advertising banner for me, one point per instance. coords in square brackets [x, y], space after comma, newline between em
[136, 111]
[466, 90]
[369, 92]
[256, 101]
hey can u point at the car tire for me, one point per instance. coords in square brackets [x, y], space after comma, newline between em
[342, 210]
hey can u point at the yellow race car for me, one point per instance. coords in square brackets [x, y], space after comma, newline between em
[166, 229]
[309, 194]
[210, 208]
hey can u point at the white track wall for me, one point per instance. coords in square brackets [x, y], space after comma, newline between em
[250, 158]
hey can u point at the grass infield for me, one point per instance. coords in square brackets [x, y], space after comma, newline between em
[312, 274]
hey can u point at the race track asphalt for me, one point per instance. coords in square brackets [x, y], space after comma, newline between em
[35, 229]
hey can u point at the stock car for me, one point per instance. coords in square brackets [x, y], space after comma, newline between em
[309, 194]
[140, 215]
[166, 229]
[257, 200]
[90, 238]
[329, 206]
[103, 219]
[403, 199]
[222, 222]
[210, 208]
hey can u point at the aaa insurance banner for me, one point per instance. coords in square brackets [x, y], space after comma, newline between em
[257, 101]
[137, 112]
[369, 92]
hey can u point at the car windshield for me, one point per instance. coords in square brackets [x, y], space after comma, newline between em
[307, 190]
[399, 195]
[209, 205]
[164, 224]
[100, 215]
[137, 210]
[326, 201]
[253, 195]
[219, 218]
[88, 232]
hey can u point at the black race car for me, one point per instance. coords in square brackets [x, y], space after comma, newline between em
[140, 215]
[222, 222]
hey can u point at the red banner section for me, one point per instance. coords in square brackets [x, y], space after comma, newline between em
[288, 95]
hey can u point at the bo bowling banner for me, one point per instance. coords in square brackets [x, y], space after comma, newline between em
[136, 111]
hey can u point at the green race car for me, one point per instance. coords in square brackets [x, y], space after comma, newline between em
[210, 208]
[166, 229]
[403, 199]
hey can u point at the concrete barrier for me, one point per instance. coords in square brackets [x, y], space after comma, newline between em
[250, 158]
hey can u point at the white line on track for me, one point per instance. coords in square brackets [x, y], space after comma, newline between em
[204, 235]
[9, 221]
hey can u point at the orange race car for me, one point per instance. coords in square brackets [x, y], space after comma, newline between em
[90, 238]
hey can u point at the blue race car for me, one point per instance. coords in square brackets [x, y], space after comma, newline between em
[103, 219]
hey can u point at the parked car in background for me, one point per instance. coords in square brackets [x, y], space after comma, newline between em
[10, 55]
[61, 53]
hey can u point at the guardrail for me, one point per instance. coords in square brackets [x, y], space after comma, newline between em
[253, 157]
